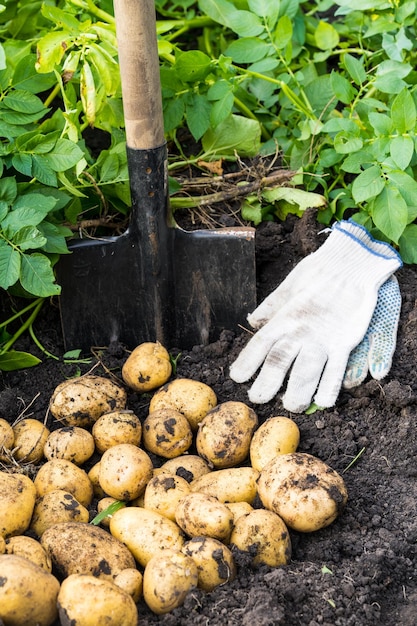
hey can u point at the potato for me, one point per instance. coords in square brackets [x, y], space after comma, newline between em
[163, 493]
[81, 401]
[167, 432]
[167, 579]
[85, 549]
[224, 435]
[104, 504]
[6, 435]
[147, 367]
[264, 536]
[28, 593]
[94, 478]
[278, 435]
[72, 443]
[87, 601]
[17, 501]
[190, 397]
[56, 506]
[214, 560]
[28, 548]
[131, 581]
[239, 508]
[30, 436]
[233, 484]
[188, 466]
[303, 490]
[201, 515]
[65, 475]
[125, 471]
[145, 532]
[116, 427]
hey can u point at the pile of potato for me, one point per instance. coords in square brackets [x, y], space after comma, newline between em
[226, 482]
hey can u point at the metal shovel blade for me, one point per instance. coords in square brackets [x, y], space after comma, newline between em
[156, 281]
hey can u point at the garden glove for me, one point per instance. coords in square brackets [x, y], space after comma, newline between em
[315, 318]
[375, 351]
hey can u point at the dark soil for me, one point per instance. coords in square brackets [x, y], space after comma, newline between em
[362, 569]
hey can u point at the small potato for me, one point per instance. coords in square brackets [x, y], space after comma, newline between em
[94, 477]
[190, 397]
[264, 536]
[6, 435]
[233, 484]
[163, 493]
[201, 515]
[116, 427]
[104, 504]
[30, 549]
[30, 436]
[167, 433]
[72, 443]
[188, 466]
[278, 435]
[214, 560]
[81, 401]
[167, 579]
[145, 532]
[84, 600]
[131, 581]
[125, 470]
[85, 549]
[224, 435]
[28, 593]
[65, 475]
[239, 508]
[147, 367]
[56, 506]
[303, 490]
[17, 501]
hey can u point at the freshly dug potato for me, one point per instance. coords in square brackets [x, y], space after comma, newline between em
[2, 545]
[81, 401]
[28, 593]
[6, 435]
[147, 367]
[145, 532]
[190, 397]
[201, 515]
[56, 506]
[233, 484]
[131, 581]
[65, 475]
[17, 501]
[28, 548]
[30, 436]
[167, 579]
[116, 427]
[278, 435]
[102, 505]
[224, 435]
[188, 466]
[264, 535]
[125, 470]
[214, 560]
[94, 477]
[84, 600]
[163, 493]
[72, 443]
[239, 508]
[303, 490]
[85, 549]
[167, 432]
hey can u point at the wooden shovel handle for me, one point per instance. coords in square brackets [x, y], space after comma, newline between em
[139, 71]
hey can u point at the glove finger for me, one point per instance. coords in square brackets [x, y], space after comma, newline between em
[357, 367]
[383, 329]
[331, 380]
[273, 372]
[304, 379]
[252, 355]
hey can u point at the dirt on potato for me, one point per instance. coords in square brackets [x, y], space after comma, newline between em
[362, 569]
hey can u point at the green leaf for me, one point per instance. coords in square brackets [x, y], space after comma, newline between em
[26, 214]
[408, 244]
[266, 9]
[381, 123]
[192, 66]
[326, 36]
[283, 32]
[65, 155]
[236, 133]
[15, 360]
[55, 236]
[197, 113]
[244, 23]
[221, 109]
[29, 238]
[342, 88]
[345, 143]
[8, 189]
[23, 101]
[248, 49]
[37, 277]
[389, 212]
[403, 112]
[401, 151]
[355, 69]
[9, 265]
[390, 75]
[368, 184]
[174, 110]
[50, 50]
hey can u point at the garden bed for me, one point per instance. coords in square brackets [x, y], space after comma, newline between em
[362, 569]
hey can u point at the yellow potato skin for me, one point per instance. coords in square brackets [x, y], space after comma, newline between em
[131, 581]
[239, 508]
[147, 367]
[65, 475]
[278, 435]
[28, 593]
[190, 397]
[6, 435]
[30, 436]
[188, 466]
[116, 427]
[56, 506]
[125, 470]
[167, 579]
[201, 515]
[72, 443]
[214, 560]
[303, 490]
[233, 484]
[163, 492]
[264, 535]
[167, 432]
[17, 501]
[29, 548]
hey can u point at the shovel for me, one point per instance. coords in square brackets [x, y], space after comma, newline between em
[156, 281]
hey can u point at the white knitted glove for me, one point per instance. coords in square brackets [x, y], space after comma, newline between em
[315, 318]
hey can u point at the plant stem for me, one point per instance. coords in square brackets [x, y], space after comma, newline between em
[27, 324]
[91, 8]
